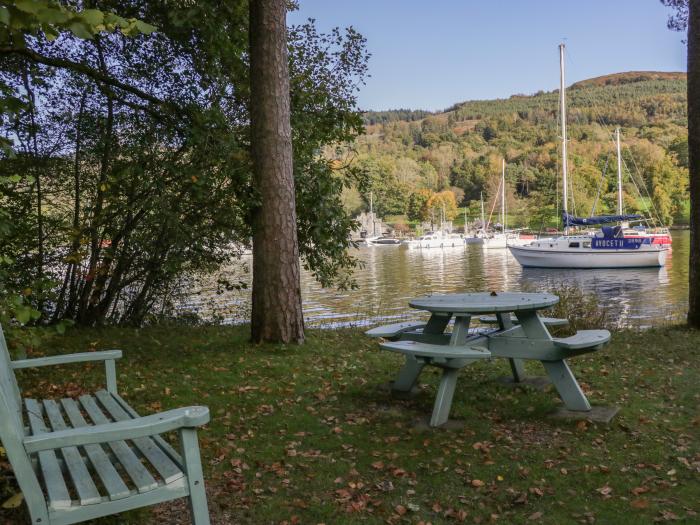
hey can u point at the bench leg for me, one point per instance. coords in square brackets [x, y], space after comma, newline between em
[408, 375]
[517, 366]
[567, 386]
[445, 393]
[195, 476]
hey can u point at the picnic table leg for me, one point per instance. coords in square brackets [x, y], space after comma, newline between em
[460, 332]
[558, 371]
[517, 366]
[412, 368]
[443, 400]
[567, 386]
[437, 323]
[408, 375]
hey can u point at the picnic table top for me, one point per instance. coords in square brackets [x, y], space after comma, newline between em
[484, 302]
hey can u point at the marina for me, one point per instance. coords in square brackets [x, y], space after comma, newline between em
[636, 297]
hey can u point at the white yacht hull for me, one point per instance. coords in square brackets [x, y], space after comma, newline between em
[497, 242]
[534, 257]
[424, 244]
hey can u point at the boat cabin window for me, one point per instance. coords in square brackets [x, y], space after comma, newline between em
[574, 245]
[586, 244]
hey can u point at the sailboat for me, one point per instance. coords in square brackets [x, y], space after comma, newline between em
[607, 248]
[478, 236]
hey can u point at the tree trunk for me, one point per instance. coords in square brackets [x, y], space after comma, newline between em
[694, 159]
[276, 311]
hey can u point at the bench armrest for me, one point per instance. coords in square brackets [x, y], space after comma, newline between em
[160, 423]
[53, 360]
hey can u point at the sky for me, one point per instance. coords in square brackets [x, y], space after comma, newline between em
[432, 54]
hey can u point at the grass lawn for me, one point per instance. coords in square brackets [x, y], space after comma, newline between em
[304, 434]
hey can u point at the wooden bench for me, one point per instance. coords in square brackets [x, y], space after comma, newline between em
[80, 459]
[549, 321]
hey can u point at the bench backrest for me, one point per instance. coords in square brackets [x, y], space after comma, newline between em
[10, 397]
[12, 434]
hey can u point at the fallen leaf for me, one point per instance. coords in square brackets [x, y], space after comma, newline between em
[13, 502]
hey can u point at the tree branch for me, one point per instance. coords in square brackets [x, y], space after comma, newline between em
[81, 68]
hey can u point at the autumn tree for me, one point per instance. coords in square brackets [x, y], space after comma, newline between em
[687, 17]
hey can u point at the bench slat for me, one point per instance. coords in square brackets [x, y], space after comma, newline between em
[437, 351]
[50, 469]
[583, 339]
[392, 330]
[112, 481]
[82, 480]
[139, 474]
[159, 459]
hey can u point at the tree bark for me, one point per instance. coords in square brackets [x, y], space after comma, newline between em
[694, 159]
[276, 310]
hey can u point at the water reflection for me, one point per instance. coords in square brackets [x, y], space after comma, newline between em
[392, 275]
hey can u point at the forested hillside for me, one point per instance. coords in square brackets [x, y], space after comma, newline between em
[418, 162]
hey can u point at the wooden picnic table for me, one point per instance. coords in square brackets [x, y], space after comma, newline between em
[524, 336]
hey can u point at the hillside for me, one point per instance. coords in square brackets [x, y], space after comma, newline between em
[414, 160]
[629, 77]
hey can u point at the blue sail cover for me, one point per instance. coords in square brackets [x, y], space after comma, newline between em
[570, 220]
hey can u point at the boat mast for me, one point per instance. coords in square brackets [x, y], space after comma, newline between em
[503, 195]
[619, 173]
[371, 214]
[483, 218]
[562, 98]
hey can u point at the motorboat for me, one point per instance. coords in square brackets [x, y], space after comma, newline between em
[437, 239]
[385, 241]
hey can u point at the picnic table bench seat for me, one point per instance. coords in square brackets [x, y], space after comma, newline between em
[390, 331]
[549, 321]
[583, 340]
[425, 350]
[81, 459]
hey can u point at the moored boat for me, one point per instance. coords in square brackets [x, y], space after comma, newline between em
[608, 248]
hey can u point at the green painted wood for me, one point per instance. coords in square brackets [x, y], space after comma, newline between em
[170, 451]
[393, 330]
[78, 471]
[67, 359]
[419, 350]
[408, 375]
[549, 321]
[12, 437]
[569, 390]
[159, 459]
[126, 429]
[111, 480]
[111, 376]
[583, 339]
[195, 476]
[56, 488]
[78, 514]
[460, 331]
[140, 476]
[484, 302]
[9, 389]
[443, 399]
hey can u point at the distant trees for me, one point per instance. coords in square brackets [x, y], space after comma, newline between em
[134, 154]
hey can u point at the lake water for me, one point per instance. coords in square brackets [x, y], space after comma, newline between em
[392, 275]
